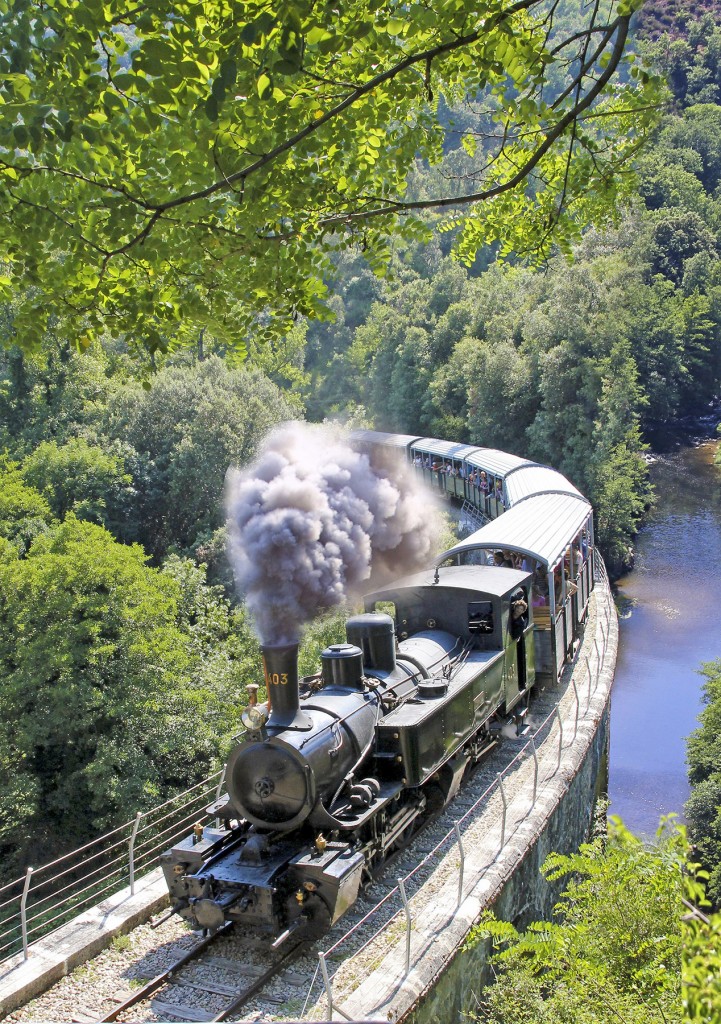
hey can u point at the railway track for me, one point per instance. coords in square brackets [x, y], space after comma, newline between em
[218, 986]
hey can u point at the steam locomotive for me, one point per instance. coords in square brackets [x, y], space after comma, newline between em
[338, 769]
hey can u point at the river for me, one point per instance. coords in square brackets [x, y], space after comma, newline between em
[670, 622]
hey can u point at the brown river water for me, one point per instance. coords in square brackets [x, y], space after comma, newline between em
[670, 623]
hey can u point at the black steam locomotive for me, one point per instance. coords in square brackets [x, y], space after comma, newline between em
[338, 769]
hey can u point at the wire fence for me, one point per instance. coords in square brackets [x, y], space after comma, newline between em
[387, 911]
[45, 898]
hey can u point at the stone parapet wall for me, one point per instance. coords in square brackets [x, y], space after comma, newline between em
[525, 896]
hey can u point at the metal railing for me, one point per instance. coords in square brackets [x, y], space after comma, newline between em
[45, 898]
[387, 911]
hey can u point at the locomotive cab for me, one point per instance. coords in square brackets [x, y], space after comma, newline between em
[478, 620]
[472, 602]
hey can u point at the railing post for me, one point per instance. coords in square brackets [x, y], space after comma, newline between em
[326, 980]
[23, 913]
[535, 771]
[329, 991]
[219, 790]
[131, 857]
[599, 662]
[560, 734]
[588, 669]
[505, 809]
[463, 862]
[402, 889]
[578, 708]
[220, 783]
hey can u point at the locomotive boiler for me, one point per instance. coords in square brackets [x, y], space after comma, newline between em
[338, 769]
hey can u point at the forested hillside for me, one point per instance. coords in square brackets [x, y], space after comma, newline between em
[673, 18]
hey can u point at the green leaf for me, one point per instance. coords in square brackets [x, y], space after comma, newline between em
[264, 85]
[228, 72]
[285, 67]
[211, 108]
[125, 81]
[21, 135]
[218, 90]
[318, 34]
[469, 143]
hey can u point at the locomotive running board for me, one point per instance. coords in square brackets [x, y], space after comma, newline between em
[352, 819]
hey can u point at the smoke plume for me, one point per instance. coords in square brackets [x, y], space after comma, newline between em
[312, 519]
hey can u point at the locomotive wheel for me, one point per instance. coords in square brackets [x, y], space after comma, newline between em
[435, 797]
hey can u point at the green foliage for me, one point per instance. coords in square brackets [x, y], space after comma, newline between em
[181, 165]
[318, 635]
[678, 237]
[54, 394]
[24, 512]
[83, 479]
[104, 663]
[703, 810]
[181, 436]
[701, 969]
[504, 401]
[618, 471]
[613, 951]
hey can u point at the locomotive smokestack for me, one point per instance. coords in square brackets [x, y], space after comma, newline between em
[280, 665]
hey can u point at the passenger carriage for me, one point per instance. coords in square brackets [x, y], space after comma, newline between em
[535, 514]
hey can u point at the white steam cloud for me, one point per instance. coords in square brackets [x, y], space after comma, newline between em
[312, 519]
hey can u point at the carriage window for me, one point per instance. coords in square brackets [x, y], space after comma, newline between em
[480, 617]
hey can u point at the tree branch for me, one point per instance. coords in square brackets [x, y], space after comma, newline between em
[526, 168]
[358, 93]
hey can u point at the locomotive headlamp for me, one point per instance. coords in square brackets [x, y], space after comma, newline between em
[254, 717]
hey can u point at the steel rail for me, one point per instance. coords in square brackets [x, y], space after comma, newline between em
[260, 983]
[168, 975]
[159, 980]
